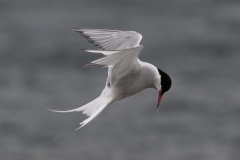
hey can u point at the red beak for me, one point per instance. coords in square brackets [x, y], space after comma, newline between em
[159, 98]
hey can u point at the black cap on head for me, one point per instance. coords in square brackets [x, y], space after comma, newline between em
[166, 81]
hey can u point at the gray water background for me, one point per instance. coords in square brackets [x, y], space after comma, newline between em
[195, 41]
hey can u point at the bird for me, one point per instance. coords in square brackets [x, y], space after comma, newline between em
[127, 74]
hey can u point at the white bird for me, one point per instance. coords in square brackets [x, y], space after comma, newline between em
[127, 75]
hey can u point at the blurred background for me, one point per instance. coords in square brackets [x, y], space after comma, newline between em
[41, 66]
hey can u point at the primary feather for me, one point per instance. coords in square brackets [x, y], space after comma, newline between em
[105, 39]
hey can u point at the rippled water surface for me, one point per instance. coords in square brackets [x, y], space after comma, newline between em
[41, 66]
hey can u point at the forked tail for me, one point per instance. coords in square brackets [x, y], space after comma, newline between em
[91, 109]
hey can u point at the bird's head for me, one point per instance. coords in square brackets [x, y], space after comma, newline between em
[165, 85]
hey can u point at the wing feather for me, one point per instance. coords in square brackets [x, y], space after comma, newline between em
[119, 62]
[112, 59]
[111, 39]
[101, 51]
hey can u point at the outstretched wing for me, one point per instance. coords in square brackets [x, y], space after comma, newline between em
[119, 63]
[105, 39]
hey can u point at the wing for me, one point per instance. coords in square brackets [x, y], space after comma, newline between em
[101, 51]
[105, 39]
[119, 63]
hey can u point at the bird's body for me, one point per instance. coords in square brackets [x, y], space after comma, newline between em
[127, 75]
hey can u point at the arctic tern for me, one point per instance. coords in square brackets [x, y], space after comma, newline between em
[127, 75]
